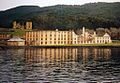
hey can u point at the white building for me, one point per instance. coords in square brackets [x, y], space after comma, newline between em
[16, 41]
[87, 38]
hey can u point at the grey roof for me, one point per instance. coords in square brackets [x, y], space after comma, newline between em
[15, 39]
[106, 35]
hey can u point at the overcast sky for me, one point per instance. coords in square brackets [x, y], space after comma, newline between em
[7, 4]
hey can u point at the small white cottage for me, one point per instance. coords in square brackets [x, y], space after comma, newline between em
[16, 41]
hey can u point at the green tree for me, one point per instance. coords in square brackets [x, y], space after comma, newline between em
[18, 32]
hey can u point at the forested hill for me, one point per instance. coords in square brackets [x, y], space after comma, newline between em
[91, 15]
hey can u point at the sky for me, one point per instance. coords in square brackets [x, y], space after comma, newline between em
[7, 4]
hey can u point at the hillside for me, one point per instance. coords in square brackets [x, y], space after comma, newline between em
[91, 15]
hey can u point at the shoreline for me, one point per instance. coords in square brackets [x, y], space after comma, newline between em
[59, 46]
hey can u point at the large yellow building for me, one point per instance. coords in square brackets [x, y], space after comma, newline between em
[38, 38]
[56, 37]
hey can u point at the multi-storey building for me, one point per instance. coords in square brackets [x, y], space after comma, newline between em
[87, 38]
[27, 25]
[50, 37]
[4, 36]
[56, 37]
[38, 38]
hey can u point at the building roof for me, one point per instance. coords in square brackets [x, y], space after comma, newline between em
[106, 35]
[16, 39]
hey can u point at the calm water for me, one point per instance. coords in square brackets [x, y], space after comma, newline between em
[60, 65]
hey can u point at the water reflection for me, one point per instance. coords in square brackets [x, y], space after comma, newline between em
[93, 54]
[60, 65]
[51, 55]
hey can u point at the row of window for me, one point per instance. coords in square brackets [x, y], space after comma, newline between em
[102, 41]
[98, 41]
[86, 42]
[101, 38]
[46, 35]
[50, 32]
[47, 38]
[50, 42]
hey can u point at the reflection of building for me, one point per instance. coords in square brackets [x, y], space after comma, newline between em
[16, 41]
[103, 53]
[85, 54]
[51, 54]
[95, 54]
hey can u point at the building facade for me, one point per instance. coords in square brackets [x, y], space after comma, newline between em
[87, 38]
[38, 38]
[27, 25]
[16, 41]
[4, 36]
[56, 37]
[52, 37]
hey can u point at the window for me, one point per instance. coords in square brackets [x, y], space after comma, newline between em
[58, 42]
[64, 42]
[41, 42]
[75, 42]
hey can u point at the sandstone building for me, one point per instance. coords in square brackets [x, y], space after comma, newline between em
[27, 25]
[50, 37]
[55, 37]
[38, 38]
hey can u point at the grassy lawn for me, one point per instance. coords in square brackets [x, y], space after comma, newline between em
[110, 44]
[116, 41]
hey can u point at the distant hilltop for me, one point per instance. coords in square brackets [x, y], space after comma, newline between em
[91, 15]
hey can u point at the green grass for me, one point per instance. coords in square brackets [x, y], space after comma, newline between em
[110, 44]
[116, 41]
[90, 45]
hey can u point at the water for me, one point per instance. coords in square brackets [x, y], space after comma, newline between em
[60, 65]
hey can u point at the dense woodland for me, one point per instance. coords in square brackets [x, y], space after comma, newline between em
[97, 16]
